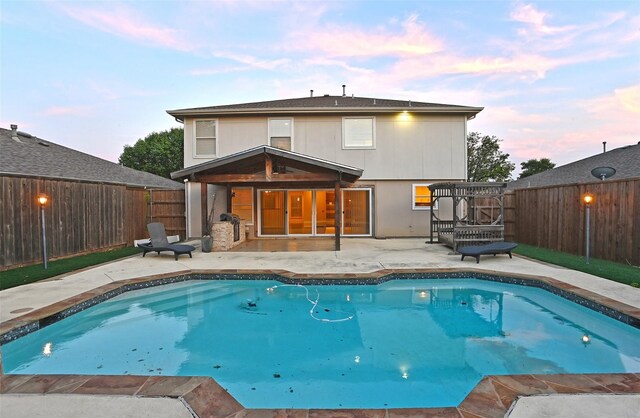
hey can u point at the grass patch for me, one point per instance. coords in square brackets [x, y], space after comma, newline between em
[34, 273]
[618, 272]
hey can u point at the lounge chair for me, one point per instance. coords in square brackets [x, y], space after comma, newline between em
[493, 248]
[160, 243]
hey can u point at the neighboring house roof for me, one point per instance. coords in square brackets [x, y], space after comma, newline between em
[327, 104]
[22, 154]
[233, 160]
[625, 160]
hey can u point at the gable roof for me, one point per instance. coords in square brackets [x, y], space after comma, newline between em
[34, 157]
[626, 161]
[233, 162]
[327, 104]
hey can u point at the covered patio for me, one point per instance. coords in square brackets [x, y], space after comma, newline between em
[278, 193]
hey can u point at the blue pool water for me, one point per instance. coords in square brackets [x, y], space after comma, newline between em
[404, 343]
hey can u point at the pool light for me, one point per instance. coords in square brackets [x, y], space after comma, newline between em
[357, 359]
[46, 350]
[586, 339]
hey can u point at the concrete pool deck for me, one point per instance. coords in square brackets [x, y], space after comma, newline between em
[358, 256]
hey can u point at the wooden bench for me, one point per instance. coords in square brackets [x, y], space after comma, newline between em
[493, 248]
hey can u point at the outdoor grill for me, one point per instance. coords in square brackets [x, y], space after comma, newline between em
[235, 221]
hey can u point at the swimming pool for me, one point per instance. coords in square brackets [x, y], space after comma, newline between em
[403, 343]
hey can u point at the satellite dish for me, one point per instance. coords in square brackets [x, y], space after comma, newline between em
[603, 173]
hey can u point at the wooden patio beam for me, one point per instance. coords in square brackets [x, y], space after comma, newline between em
[263, 178]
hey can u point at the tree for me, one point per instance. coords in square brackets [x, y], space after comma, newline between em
[158, 153]
[533, 166]
[485, 161]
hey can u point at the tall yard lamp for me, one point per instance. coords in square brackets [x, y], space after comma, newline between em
[42, 200]
[587, 199]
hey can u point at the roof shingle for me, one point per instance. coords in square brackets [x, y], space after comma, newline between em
[327, 103]
[626, 161]
[32, 156]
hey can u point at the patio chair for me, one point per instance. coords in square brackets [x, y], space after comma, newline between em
[493, 248]
[160, 243]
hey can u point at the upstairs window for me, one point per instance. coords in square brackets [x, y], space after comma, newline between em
[205, 138]
[358, 132]
[422, 197]
[281, 133]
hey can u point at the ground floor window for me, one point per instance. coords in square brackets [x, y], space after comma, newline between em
[242, 203]
[421, 196]
[313, 212]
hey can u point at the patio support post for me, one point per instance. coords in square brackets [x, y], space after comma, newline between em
[338, 215]
[229, 197]
[203, 207]
[268, 167]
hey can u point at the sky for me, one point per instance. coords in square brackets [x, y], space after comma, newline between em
[555, 78]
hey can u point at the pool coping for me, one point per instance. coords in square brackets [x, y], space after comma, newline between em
[493, 396]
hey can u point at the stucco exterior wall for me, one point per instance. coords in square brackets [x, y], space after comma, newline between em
[393, 213]
[410, 149]
[407, 146]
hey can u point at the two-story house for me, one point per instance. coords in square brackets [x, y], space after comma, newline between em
[322, 165]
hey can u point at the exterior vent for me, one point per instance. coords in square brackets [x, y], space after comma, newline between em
[14, 133]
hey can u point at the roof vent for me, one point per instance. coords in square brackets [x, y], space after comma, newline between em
[14, 133]
[326, 95]
[374, 102]
[311, 93]
[336, 102]
[344, 92]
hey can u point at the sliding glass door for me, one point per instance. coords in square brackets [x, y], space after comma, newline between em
[300, 208]
[313, 212]
[272, 212]
[357, 212]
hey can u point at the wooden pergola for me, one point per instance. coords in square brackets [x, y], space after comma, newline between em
[477, 213]
[273, 168]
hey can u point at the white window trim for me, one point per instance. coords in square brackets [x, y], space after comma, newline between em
[342, 234]
[195, 155]
[344, 138]
[269, 130]
[413, 198]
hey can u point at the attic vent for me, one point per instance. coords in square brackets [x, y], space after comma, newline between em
[326, 95]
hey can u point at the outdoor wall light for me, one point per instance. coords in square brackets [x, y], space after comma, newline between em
[42, 200]
[404, 116]
[588, 200]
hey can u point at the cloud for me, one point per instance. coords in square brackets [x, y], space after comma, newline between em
[535, 21]
[124, 22]
[68, 111]
[249, 63]
[337, 41]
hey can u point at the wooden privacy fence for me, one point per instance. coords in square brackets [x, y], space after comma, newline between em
[80, 217]
[555, 218]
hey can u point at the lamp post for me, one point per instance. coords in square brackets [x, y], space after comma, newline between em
[587, 199]
[42, 200]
